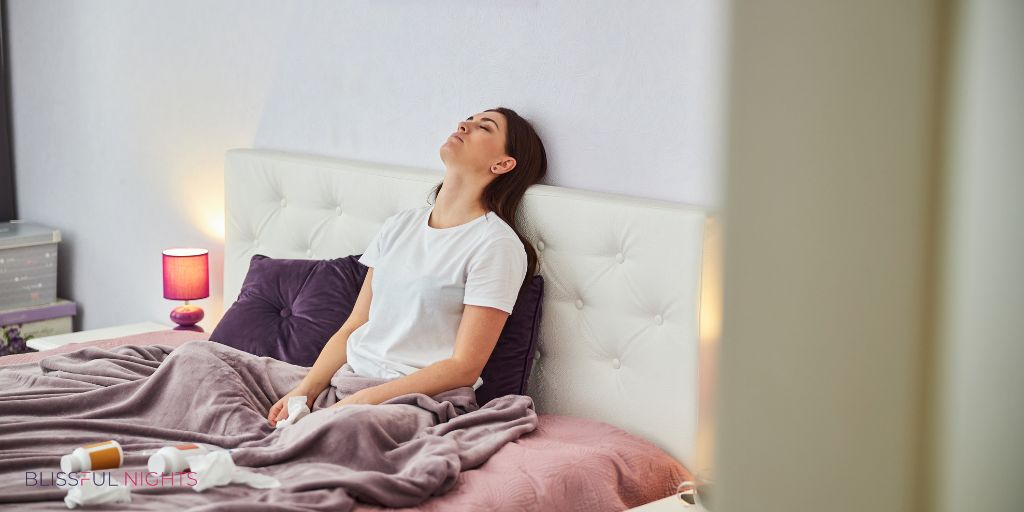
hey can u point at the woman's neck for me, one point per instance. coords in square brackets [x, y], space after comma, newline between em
[458, 202]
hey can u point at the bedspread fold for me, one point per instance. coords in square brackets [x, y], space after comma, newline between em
[395, 454]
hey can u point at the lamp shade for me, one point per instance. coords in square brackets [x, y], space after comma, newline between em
[186, 274]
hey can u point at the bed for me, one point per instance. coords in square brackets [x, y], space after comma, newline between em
[615, 375]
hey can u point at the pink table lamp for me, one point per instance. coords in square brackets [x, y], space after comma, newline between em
[187, 277]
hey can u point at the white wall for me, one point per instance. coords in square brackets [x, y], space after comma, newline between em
[123, 109]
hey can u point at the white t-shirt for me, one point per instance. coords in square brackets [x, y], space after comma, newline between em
[422, 277]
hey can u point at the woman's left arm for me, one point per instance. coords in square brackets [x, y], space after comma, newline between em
[478, 334]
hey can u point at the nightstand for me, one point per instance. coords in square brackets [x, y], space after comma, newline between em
[669, 504]
[49, 342]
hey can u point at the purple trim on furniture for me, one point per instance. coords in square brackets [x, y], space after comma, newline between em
[37, 313]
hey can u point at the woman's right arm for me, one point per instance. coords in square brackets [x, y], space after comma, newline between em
[332, 357]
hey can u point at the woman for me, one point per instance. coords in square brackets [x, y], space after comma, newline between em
[449, 273]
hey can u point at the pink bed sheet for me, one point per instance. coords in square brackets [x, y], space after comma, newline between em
[567, 464]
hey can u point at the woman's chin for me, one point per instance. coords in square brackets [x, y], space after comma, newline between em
[446, 149]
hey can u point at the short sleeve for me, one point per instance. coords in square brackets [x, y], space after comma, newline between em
[376, 245]
[495, 275]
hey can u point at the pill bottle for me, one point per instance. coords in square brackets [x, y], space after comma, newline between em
[172, 459]
[93, 457]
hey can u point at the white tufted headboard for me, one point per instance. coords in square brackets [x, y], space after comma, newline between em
[619, 328]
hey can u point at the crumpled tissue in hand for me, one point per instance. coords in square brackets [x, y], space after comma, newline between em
[217, 468]
[88, 493]
[297, 408]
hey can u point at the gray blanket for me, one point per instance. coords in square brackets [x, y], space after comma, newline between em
[395, 454]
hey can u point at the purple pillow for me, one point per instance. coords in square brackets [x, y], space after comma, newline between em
[288, 309]
[507, 372]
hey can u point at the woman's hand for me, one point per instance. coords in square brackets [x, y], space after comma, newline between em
[280, 410]
[363, 396]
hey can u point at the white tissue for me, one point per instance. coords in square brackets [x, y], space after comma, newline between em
[216, 468]
[87, 493]
[297, 408]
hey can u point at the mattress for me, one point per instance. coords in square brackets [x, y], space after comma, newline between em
[567, 463]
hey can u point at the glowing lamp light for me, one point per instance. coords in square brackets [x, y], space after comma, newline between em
[186, 277]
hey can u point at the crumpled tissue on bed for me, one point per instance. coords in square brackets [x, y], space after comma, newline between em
[216, 468]
[88, 493]
[297, 408]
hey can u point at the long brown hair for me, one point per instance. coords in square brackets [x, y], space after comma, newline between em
[503, 195]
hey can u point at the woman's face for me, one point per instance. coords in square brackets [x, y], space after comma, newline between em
[478, 145]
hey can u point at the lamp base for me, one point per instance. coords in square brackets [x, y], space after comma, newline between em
[187, 315]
